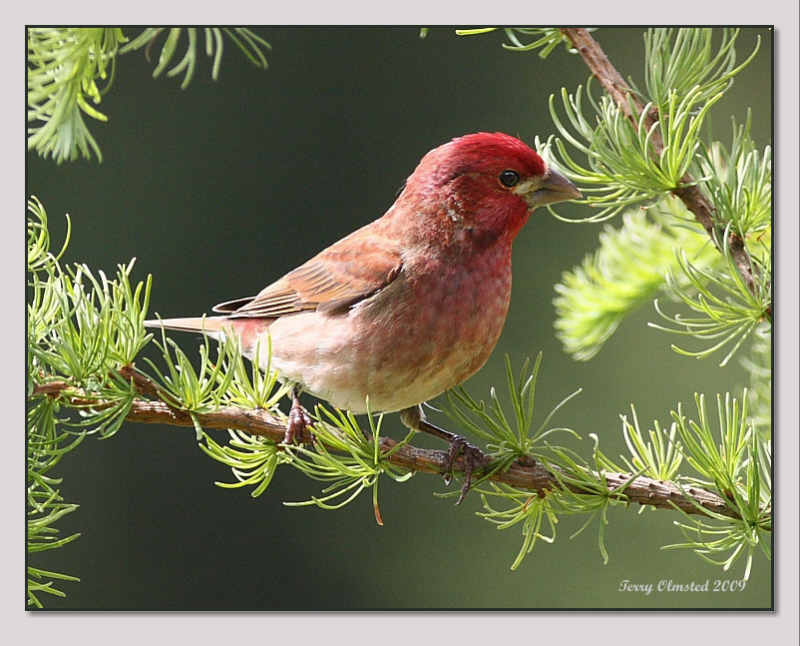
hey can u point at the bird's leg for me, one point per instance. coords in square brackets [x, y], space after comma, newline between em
[299, 420]
[414, 418]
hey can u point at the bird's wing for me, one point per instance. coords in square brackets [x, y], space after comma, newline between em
[345, 273]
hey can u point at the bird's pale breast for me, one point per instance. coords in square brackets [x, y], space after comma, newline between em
[429, 331]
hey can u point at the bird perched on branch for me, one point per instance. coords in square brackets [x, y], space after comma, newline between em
[409, 305]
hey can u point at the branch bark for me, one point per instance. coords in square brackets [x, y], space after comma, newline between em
[688, 192]
[525, 474]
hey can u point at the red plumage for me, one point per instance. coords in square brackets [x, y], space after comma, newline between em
[413, 303]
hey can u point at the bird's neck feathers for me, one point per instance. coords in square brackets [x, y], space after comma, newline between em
[470, 209]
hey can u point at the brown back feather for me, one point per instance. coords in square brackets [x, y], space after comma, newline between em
[342, 275]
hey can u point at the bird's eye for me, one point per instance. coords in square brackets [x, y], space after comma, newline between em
[509, 178]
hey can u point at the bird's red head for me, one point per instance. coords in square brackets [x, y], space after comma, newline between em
[487, 183]
[482, 153]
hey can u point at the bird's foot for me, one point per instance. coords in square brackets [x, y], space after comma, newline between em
[473, 457]
[298, 423]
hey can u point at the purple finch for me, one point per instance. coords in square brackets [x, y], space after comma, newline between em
[411, 304]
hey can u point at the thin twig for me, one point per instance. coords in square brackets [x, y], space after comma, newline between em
[526, 474]
[688, 192]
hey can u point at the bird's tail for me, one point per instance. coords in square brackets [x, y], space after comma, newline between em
[211, 325]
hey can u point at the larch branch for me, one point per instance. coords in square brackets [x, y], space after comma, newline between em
[526, 473]
[688, 192]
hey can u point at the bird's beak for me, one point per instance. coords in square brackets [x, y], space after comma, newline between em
[553, 188]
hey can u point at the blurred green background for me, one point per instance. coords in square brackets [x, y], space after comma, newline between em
[220, 189]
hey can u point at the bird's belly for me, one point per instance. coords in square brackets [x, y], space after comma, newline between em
[397, 355]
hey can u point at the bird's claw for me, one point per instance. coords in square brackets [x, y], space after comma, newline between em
[473, 457]
[414, 418]
[297, 425]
